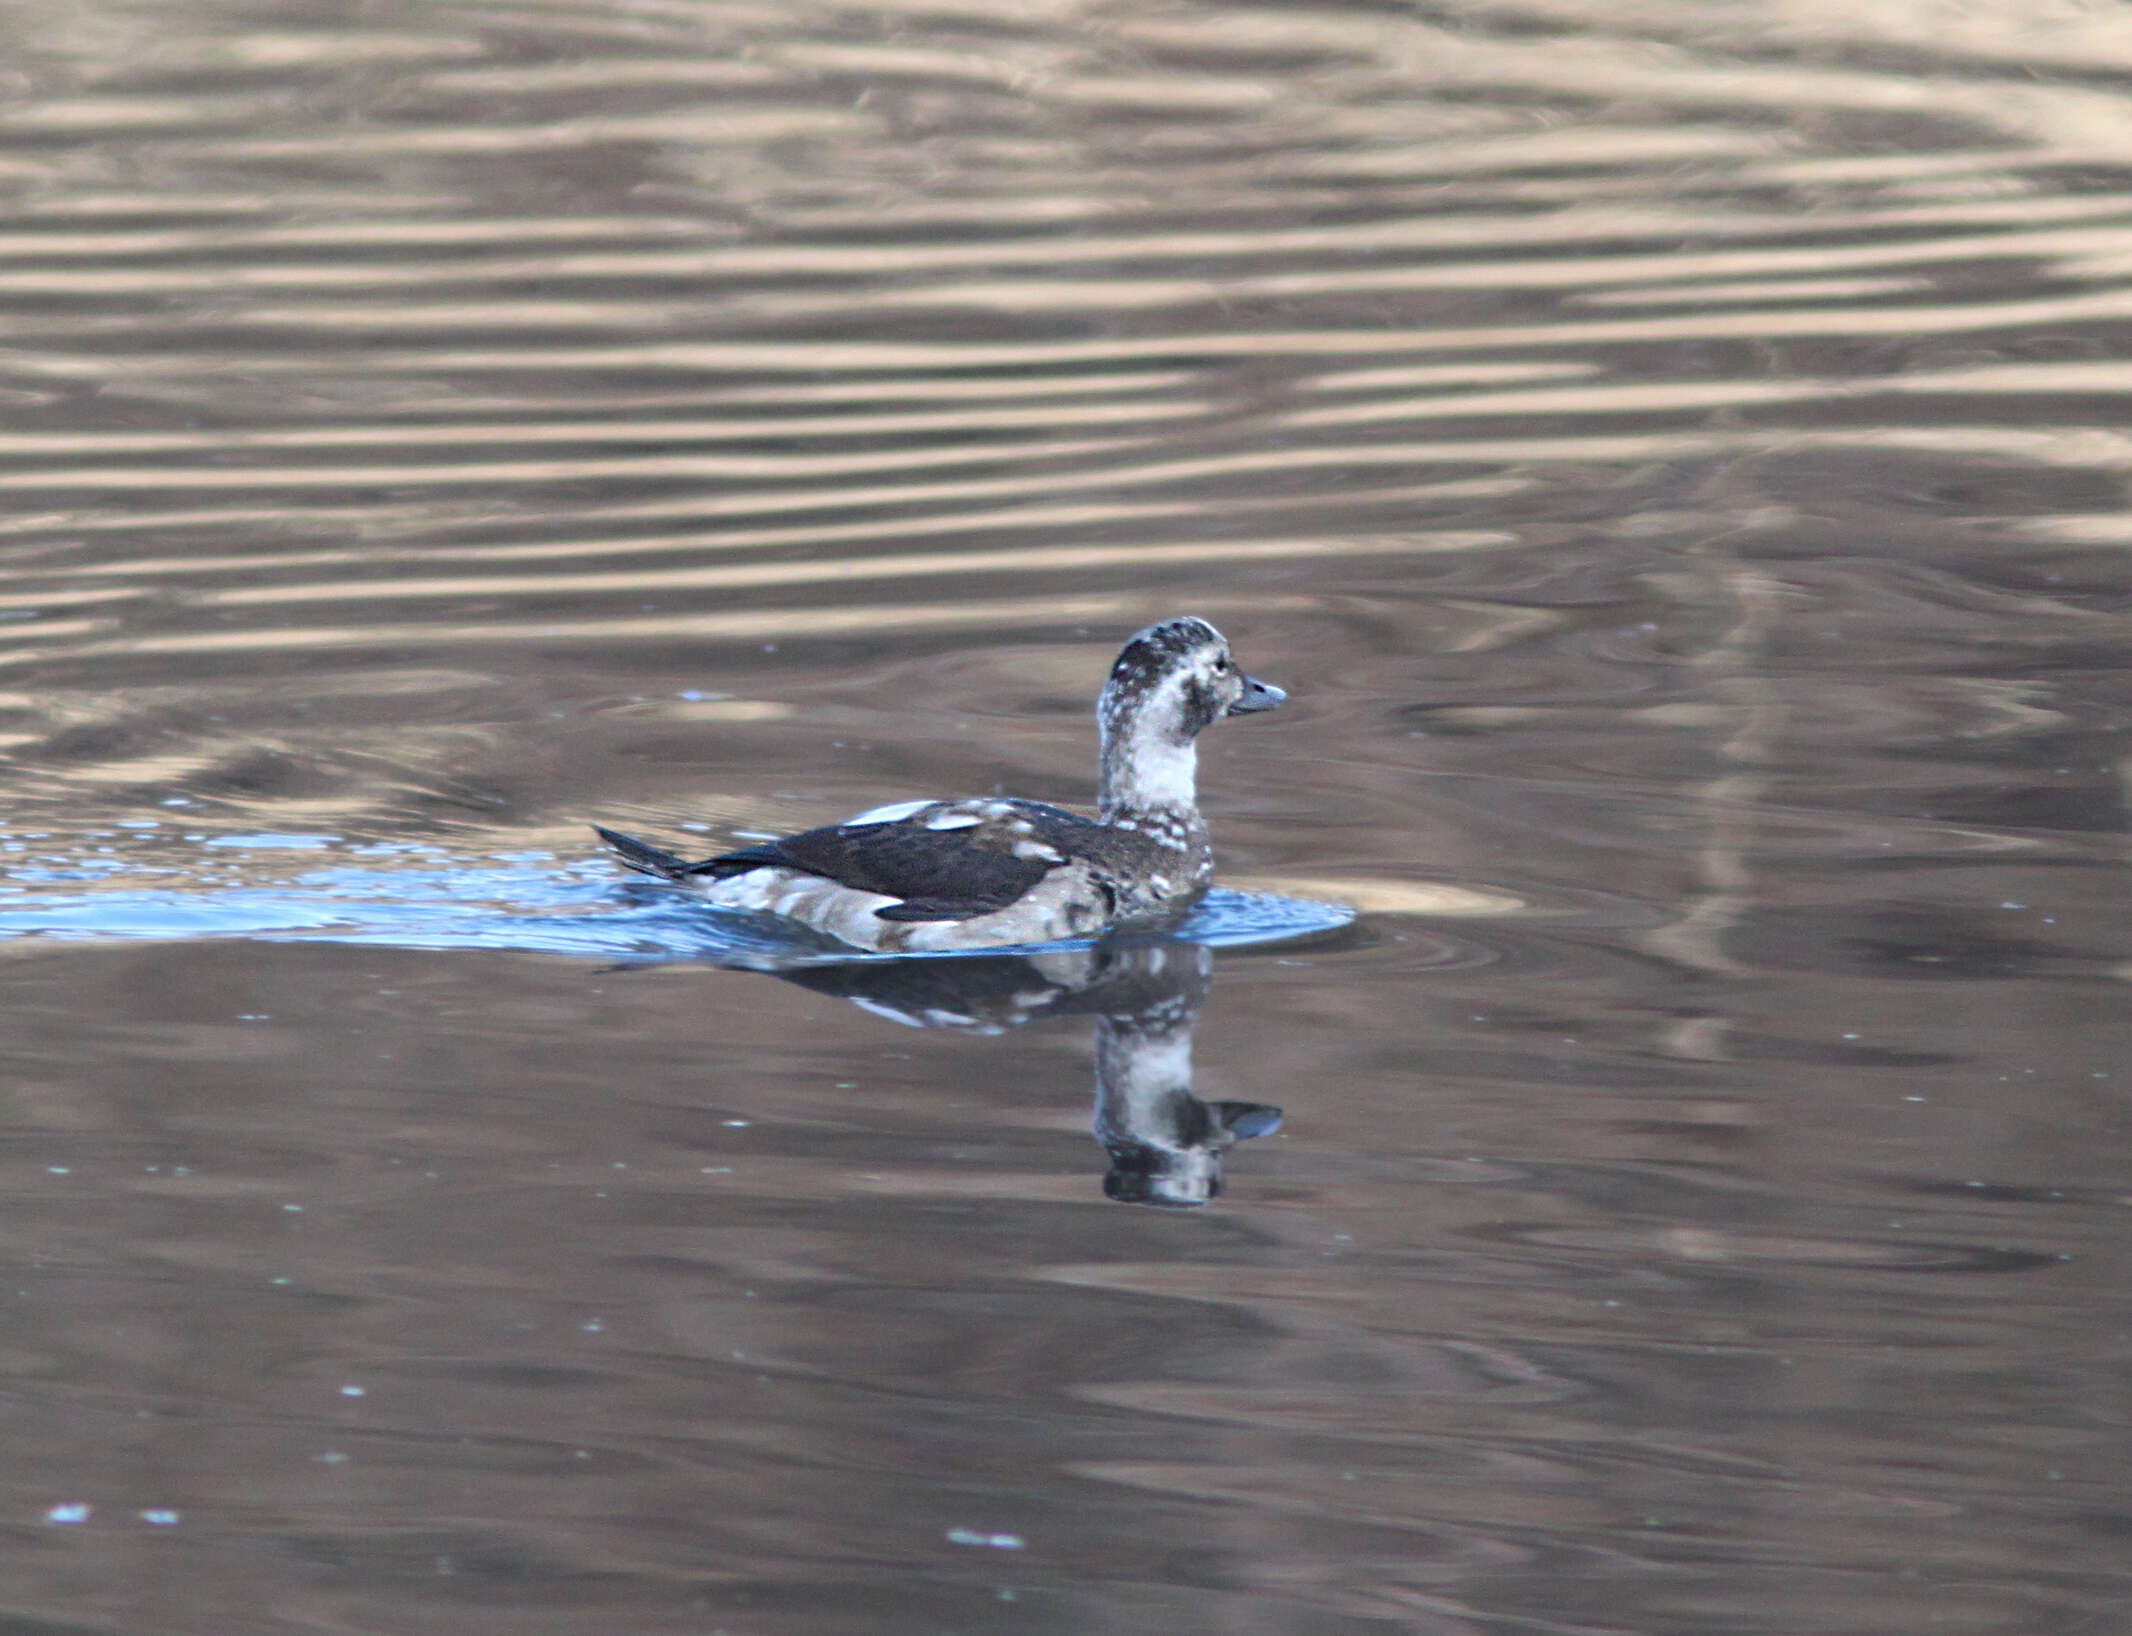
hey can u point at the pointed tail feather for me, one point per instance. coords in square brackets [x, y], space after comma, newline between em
[643, 857]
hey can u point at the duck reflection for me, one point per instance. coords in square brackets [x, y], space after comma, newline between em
[1166, 1146]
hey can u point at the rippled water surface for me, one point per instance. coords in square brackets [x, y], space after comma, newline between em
[1675, 453]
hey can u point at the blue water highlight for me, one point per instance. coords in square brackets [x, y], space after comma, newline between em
[419, 897]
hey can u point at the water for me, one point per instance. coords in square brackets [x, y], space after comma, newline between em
[1674, 455]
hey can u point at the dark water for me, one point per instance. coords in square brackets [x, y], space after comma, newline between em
[1674, 453]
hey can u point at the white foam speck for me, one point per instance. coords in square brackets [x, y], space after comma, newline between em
[977, 1536]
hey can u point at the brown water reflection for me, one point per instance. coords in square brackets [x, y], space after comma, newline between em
[1677, 452]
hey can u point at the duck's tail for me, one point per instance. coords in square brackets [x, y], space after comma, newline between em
[643, 857]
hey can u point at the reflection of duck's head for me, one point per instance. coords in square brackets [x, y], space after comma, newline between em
[1165, 1144]
[1174, 1158]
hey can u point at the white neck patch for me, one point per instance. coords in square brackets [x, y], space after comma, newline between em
[1143, 773]
[1150, 762]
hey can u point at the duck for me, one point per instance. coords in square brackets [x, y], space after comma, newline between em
[933, 876]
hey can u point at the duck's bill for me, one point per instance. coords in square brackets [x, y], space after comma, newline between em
[1257, 695]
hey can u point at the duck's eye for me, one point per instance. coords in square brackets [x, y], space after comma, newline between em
[1224, 665]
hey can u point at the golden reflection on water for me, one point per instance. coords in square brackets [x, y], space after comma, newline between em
[816, 621]
[1390, 897]
[1030, 559]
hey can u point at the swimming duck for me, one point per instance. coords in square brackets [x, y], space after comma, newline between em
[925, 876]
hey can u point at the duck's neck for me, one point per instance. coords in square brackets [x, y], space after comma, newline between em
[1145, 774]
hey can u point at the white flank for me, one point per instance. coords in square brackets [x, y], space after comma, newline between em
[841, 911]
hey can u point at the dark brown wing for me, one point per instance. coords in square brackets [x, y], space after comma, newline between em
[939, 874]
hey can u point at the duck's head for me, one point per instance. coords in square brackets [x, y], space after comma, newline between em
[1174, 679]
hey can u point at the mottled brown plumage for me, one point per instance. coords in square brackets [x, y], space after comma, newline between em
[928, 875]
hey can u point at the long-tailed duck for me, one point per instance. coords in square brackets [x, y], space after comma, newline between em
[922, 876]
